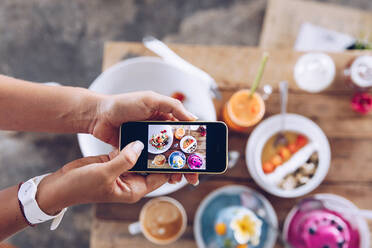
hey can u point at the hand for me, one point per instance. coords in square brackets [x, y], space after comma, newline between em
[138, 106]
[112, 111]
[96, 179]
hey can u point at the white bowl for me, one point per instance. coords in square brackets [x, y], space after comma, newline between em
[150, 73]
[296, 123]
[342, 202]
[185, 150]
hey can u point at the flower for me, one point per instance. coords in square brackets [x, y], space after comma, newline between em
[361, 102]
[246, 227]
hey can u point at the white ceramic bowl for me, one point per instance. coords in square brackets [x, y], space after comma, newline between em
[150, 73]
[182, 141]
[342, 202]
[296, 123]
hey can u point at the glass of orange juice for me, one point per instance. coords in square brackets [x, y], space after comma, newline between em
[246, 107]
[243, 110]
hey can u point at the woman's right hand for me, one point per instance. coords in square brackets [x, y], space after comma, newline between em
[102, 178]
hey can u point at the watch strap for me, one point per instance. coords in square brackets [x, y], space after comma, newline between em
[32, 211]
[21, 208]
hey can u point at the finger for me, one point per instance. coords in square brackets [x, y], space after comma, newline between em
[114, 140]
[85, 161]
[165, 117]
[139, 185]
[192, 178]
[175, 178]
[114, 153]
[126, 159]
[175, 107]
[154, 181]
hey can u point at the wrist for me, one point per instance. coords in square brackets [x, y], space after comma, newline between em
[49, 195]
[87, 110]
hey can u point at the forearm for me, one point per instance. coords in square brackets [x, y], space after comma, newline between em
[49, 197]
[11, 218]
[27, 106]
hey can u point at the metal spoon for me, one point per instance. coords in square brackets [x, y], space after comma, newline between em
[280, 138]
[161, 49]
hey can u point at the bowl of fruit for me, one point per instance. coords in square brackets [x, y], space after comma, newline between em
[292, 168]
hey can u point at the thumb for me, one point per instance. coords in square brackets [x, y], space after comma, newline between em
[126, 159]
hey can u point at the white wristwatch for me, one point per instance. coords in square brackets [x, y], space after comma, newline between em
[32, 211]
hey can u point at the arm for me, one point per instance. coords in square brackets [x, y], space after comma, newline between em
[87, 180]
[36, 107]
[11, 218]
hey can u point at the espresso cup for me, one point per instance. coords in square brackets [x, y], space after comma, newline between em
[162, 221]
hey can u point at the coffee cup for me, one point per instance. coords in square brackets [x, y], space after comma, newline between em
[162, 221]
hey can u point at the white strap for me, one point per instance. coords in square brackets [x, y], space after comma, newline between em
[35, 215]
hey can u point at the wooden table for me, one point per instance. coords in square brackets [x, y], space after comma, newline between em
[283, 19]
[350, 135]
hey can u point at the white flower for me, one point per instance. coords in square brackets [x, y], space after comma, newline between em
[246, 227]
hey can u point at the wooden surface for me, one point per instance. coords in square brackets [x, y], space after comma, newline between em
[350, 135]
[283, 19]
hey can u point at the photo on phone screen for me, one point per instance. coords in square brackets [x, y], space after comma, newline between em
[178, 146]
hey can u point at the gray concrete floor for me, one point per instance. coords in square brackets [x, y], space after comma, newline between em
[62, 41]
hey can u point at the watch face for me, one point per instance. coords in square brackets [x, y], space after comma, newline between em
[27, 191]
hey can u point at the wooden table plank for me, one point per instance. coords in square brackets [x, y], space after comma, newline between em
[110, 226]
[283, 19]
[109, 234]
[232, 66]
[191, 198]
[331, 112]
[350, 136]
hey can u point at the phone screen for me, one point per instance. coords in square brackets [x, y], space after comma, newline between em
[178, 146]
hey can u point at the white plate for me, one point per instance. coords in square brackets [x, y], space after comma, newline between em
[150, 73]
[296, 123]
[183, 140]
[156, 129]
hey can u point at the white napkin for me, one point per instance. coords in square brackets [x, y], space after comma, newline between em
[316, 38]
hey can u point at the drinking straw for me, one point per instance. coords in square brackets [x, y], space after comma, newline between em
[257, 80]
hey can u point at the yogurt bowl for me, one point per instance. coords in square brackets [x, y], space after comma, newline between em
[311, 223]
[317, 143]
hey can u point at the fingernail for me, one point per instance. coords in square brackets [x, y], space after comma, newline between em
[138, 146]
[193, 116]
[196, 184]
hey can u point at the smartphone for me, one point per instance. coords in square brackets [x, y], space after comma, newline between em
[184, 147]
